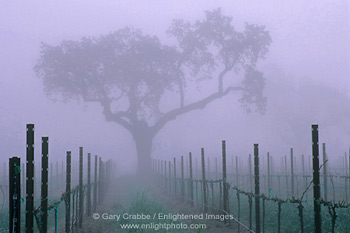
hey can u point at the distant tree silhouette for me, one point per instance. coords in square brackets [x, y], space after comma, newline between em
[129, 73]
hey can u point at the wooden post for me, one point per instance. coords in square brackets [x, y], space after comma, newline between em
[286, 172]
[68, 194]
[346, 175]
[15, 195]
[208, 171]
[103, 179]
[23, 182]
[57, 181]
[316, 178]
[196, 168]
[44, 182]
[268, 174]
[73, 172]
[250, 173]
[279, 185]
[292, 170]
[257, 188]
[216, 168]
[224, 177]
[187, 168]
[263, 180]
[81, 193]
[236, 171]
[62, 173]
[51, 170]
[304, 175]
[169, 177]
[99, 181]
[30, 179]
[73, 203]
[191, 179]
[94, 201]
[175, 181]
[165, 174]
[161, 173]
[182, 177]
[88, 202]
[204, 182]
[36, 173]
[324, 171]
[232, 168]
[272, 171]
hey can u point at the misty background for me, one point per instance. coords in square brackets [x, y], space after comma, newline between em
[306, 70]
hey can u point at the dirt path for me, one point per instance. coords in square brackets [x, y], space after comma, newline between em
[178, 205]
[120, 195]
[91, 225]
[123, 192]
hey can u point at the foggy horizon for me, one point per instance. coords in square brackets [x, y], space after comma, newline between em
[306, 73]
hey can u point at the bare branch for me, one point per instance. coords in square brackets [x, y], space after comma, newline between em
[173, 114]
[105, 102]
[182, 94]
[116, 117]
[221, 77]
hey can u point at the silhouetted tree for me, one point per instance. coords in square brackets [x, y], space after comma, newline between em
[130, 73]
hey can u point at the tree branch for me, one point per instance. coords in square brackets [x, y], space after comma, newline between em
[116, 117]
[182, 94]
[221, 77]
[173, 114]
[180, 83]
[105, 102]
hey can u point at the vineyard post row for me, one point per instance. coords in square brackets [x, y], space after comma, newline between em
[169, 182]
[74, 215]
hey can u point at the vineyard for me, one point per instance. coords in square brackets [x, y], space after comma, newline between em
[261, 198]
[64, 205]
[246, 194]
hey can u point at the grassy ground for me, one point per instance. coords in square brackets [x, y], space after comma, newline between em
[132, 196]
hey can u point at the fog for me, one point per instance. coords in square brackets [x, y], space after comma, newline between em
[306, 72]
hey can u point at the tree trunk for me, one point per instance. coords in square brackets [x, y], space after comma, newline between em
[143, 144]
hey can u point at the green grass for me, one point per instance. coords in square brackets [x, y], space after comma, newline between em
[4, 216]
[290, 221]
[141, 200]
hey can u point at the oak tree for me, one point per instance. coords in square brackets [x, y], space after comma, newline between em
[129, 73]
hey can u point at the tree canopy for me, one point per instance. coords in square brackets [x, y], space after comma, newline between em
[128, 72]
